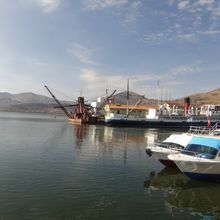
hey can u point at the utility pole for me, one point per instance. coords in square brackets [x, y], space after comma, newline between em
[127, 95]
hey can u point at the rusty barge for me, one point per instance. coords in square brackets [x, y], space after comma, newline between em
[81, 113]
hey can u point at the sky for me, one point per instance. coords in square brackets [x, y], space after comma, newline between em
[88, 47]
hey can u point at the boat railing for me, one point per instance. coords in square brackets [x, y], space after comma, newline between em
[165, 146]
[214, 130]
[198, 130]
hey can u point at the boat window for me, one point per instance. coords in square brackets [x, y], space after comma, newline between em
[200, 150]
[171, 145]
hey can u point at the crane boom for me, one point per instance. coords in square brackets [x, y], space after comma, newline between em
[58, 102]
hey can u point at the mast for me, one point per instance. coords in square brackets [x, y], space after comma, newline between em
[127, 95]
[137, 103]
[58, 102]
[158, 93]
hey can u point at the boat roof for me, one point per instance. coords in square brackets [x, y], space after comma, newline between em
[181, 139]
[206, 141]
[124, 106]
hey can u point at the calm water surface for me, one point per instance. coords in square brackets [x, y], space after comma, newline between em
[50, 169]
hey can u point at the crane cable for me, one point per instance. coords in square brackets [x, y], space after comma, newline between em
[61, 93]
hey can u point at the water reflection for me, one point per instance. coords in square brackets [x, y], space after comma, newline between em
[51, 169]
[115, 143]
[183, 194]
[113, 135]
[80, 131]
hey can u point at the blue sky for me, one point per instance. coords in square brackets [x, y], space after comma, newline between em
[88, 46]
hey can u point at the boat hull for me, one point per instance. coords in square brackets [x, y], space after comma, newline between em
[156, 123]
[198, 168]
[168, 163]
[162, 155]
[76, 120]
[203, 176]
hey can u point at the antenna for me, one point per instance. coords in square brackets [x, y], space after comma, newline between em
[127, 95]
[158, 92]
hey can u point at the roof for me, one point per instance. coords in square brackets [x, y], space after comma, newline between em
[206, 141]
[123, 106]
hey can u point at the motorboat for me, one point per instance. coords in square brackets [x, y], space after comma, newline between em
[171, 145]
[200, 159]
[175, 143]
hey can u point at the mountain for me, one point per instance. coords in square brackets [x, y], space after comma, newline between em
[33, 98]
[30, 102]
[27, 102]
[133, 98]
[212, 97]
[7, 99]
[121, 98]
[198, 99]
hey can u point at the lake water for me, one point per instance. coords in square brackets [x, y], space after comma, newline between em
[51, 169]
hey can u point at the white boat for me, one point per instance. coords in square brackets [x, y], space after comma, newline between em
[177, 142]
[172, 145]
[143, 116]
[201, 157]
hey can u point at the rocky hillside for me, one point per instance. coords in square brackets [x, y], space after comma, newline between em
[30, 102]
[212, 97]
[121, 98]
[27, 102]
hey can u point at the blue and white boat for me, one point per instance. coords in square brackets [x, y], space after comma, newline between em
[176, 142]
[201, 157]
[171, 145]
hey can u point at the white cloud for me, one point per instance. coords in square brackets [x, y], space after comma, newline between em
[183, 5]
[96, 83]
[141, 83]
[82, 53]
[170, 35]
[205, 2]
[187, 37]
[92, 5]
[210, 32]
[47, 6]
[192, 21]
[210, 7]
[132, 14]
[184, 69]
[216, 12]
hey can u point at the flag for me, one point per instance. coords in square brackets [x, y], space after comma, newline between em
[127, 89]
[209, 122]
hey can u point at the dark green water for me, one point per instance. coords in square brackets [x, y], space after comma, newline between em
[50, 169]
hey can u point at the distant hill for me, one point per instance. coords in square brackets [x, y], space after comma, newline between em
[30, 102]
[27, 102]
[212, 97]
[33, 98]
[121, 98]
[7, 99]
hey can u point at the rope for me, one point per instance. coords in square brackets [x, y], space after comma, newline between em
[61, 93]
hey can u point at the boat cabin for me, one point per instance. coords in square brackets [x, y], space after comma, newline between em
[210, 110]
[203, 147]
[138, 111]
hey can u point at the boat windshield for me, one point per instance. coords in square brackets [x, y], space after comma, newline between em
[199, 150]
[171, 145]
